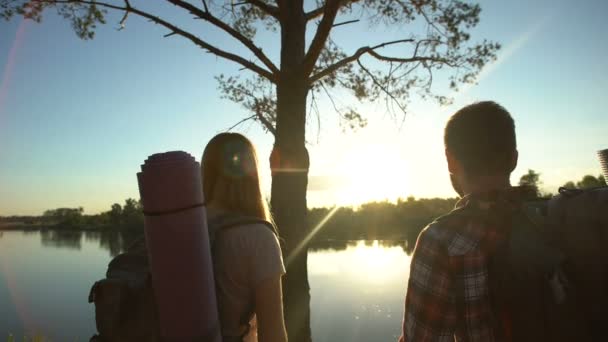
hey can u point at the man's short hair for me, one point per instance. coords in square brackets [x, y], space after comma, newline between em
[481, 136]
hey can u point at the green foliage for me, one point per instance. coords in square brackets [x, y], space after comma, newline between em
[531, 179]
[587, 182]
[373, 74]
[67, 217]
[115, 214]
[569, 185]
[380, 220]
[128, 216]
[84, 17]
[132, 214]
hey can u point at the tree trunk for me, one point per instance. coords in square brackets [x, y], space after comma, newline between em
[289, 163]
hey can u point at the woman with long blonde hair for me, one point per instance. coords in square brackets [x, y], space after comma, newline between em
[248, 265]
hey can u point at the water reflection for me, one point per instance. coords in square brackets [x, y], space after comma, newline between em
[61, 239]
[357, 292]
[113, 241]
[340, 245]
[357, 287]
[116, 241]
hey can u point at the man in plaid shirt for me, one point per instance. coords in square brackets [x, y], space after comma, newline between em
[447, 295]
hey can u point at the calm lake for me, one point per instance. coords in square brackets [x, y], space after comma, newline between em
[357, 287]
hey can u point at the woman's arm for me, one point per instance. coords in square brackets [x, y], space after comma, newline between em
[269, 310]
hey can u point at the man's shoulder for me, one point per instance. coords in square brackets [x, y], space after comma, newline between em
[452, 233]
[443, 227]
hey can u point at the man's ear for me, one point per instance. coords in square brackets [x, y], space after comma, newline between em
[453, 164]
[514, 158]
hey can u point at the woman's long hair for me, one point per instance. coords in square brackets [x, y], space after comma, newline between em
[231, 176]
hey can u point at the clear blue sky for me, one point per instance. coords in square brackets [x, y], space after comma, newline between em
[77, 118]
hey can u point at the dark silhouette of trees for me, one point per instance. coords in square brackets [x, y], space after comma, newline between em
[126, 217]
[380, 220]
[435, 37]
[66, 217]
[569, 185]
[531, 179]
[115, 214]
[587, 182]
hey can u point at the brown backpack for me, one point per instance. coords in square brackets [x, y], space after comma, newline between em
[124, 306]
[125, 309]
[551, 274]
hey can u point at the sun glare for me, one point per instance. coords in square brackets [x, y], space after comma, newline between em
[375, 263]
[373, 172]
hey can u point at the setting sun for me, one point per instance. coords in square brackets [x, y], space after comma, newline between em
[373, 172]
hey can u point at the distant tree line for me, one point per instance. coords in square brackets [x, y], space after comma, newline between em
[380, 220]
[127, 216]
[402, 220]
[532, 178]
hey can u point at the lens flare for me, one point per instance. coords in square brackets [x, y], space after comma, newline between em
[310, 235]
[10, 63]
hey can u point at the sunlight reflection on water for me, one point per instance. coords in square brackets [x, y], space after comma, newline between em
[357, 293]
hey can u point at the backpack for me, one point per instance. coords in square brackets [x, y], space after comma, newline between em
[125, 309]
[549, 278]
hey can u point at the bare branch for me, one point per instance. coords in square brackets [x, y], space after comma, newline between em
[346, 22]
[318, 42]
[123, 21]
[314, 108]
[382, 87]
[339, 64]
[207, 16]
[252, 117]
[406, 60]
[176, 30]
[266, 123]
[331, 99]
[317, 12]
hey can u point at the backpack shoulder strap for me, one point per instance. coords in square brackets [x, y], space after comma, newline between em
[221, 223]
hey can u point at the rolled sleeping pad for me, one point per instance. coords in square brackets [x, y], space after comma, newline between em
[171, 192]
[603, 156]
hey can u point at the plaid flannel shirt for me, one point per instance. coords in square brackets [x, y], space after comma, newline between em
[447, 296]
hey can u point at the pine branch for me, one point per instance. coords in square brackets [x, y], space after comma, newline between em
[207, 16]
[242, 121]
[384, 89]
[406, 60]
[360, 52]
[266, 123]
[176, 30]
[371, 51]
